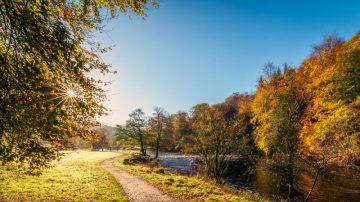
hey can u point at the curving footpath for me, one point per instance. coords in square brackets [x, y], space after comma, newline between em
[136, 189]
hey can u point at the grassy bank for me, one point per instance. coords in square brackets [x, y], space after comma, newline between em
[76, 177]
[185, 188]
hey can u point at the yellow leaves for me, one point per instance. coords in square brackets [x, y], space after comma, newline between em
[332, 115]
[276, 110]
[342, 126]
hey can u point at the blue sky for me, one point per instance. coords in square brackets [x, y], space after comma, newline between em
[192, 51]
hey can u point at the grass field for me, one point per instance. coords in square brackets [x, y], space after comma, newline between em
[77, 177]
[185, 188]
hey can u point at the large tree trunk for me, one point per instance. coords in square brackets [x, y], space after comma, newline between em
[312, 188]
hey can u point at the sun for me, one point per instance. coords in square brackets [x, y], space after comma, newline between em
[66, 95]
[71, 93]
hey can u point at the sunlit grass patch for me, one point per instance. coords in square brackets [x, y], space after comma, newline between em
[185, 188]
[76, 177]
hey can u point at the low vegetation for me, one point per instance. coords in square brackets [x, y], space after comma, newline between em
[76, 177]
[185, 188]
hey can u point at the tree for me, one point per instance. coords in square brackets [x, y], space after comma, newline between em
[104, 138]
[277, 110]
[157, 124]
[135, 130]
[46, 93]
[331, 123]
[242, 104]
[180, 135]
[216, 136]
[333, 115]
[100, 140]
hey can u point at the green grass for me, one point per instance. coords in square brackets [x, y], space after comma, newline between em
[183, 187]
[76, 177]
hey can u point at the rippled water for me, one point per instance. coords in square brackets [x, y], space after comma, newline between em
[179, 161]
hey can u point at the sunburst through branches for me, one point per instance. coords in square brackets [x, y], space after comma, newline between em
[67, 95]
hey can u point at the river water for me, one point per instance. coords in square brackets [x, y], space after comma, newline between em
[338, 184]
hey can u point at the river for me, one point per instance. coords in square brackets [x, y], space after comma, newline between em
[337, 184]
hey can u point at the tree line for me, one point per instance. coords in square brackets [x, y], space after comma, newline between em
[308, 114]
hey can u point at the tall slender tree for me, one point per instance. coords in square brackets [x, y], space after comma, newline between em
[157, 124]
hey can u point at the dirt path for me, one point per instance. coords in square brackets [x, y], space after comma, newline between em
[135, 188]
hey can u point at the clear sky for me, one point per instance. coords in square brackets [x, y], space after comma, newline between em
[194, 51]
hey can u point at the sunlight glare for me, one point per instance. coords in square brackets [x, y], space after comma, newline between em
[70, 93]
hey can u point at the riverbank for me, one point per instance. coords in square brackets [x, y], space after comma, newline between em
[255, 174]
[186, 188]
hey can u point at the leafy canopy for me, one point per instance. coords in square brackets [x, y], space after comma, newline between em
[47, 51]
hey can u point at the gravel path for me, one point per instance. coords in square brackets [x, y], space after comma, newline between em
[136, 189]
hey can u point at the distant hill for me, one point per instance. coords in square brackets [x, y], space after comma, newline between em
[109, 131]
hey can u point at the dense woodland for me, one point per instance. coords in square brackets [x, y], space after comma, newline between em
[308, 114]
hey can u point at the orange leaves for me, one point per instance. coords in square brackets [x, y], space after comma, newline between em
[331, 80]
[66, 12]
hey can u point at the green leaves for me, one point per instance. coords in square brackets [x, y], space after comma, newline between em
[46, 48]
[220, 131]
[134, 133]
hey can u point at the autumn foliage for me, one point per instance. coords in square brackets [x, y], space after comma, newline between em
[298, 115]
[331, 80]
